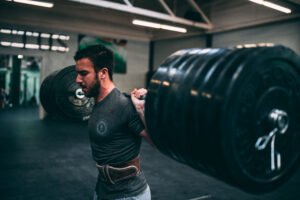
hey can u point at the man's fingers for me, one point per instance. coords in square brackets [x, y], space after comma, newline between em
[138, 93]
[142, 91]
[134, 91]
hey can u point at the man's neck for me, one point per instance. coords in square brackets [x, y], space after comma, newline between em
[104, 90]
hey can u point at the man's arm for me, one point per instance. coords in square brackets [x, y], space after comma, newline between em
[145, 134]
[140, 109]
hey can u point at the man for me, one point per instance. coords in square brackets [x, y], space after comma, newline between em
[115, 129]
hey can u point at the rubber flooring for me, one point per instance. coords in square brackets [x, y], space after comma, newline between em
[47, 160]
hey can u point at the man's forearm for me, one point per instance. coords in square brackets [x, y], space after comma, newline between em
[139, 105]
[141, 113]
[145, 134]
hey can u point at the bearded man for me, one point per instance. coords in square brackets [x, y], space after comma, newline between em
[115, 129]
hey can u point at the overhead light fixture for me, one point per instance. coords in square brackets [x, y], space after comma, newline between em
[7, 44]
[35, 34]
[64, 37]
[17, 44]
[55, 36]
[45, 47]
[272, 5]
[158, 26]
[45, 35]
[34, 46]
[35, 3]
[7, 31]
[15, 32]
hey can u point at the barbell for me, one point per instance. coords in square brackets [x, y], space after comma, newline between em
[233, 113]
[62, 98]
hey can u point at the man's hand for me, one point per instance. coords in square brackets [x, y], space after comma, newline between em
[139, 105]
[137, 102]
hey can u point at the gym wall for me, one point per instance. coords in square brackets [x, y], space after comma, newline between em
[164, 48]
[137, 66]
[286, 33]
[137, 60]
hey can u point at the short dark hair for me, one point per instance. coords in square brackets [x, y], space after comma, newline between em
[99, 55]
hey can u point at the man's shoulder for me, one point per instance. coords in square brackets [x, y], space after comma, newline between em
[125, 99]
[122, 103]
[126, 95]
[121, 98]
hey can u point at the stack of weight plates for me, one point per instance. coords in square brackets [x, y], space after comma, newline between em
[63, 99]
[212, 109]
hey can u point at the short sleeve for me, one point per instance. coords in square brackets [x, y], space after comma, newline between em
[135, 123]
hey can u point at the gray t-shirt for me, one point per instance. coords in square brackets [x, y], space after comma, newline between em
[114, 131]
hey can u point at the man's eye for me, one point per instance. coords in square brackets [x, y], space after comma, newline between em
[83, 73]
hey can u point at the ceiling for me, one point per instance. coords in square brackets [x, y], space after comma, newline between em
[99, 21]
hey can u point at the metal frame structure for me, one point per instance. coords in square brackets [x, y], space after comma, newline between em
[128, 7]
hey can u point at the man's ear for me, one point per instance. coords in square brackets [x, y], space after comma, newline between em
[102, 73]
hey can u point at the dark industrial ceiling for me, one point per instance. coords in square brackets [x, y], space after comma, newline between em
[88, 19]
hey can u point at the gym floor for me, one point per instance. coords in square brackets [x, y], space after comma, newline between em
[47, 160]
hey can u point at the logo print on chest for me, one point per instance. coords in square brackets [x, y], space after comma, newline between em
[101, 128]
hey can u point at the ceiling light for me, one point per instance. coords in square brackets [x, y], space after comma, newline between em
[29, 33]
[16, 44]
[272, 5]
[35, 34]
[45, 35]
[64, 37]
[32, 46]
[55, 36]
[20, 32]
[54, 48]
[173, 28]
[7, 44]
[61, 48]
[145, 23]
[45, 47]
[158, 26]
[35, 3]
[7, 31]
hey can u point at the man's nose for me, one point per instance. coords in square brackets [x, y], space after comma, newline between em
[78, 79]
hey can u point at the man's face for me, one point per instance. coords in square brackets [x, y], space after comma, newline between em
[87, 77]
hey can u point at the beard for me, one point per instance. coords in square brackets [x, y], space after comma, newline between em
[93, 91]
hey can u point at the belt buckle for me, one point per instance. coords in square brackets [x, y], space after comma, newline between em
[104, 173]
[108, 177]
